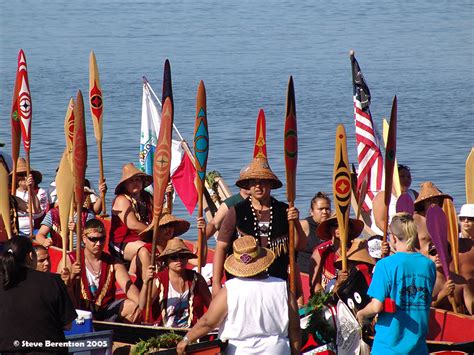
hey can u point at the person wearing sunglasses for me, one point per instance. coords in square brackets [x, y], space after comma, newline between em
[99, 272]
[466, 219]
[180, 296]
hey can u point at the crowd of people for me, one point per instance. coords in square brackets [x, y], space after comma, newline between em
[248, 296]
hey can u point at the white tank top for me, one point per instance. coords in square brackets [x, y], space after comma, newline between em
[257, 318]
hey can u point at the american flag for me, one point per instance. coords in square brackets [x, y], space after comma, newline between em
[368, 152]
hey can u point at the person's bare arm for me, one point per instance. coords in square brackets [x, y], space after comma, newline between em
[215, 223]
[294, 330]
[300, 236]
[315, 284]
[218, 266]
[41, 236]
[150, 273]
[123, 208]
[369, 311]
[305, 226]
[123, 279]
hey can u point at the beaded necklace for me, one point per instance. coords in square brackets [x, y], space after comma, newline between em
[259, 230]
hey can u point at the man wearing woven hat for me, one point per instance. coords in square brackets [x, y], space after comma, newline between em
[259, 215]
[255, 312]
[429, 195]
[466, 217]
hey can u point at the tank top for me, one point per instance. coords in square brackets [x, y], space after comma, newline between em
[313, 241]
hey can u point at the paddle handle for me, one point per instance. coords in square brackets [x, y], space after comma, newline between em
[101, 178]
[78, 230]
[14, 179]
[156, 229]
[169, 202]
[30, 194]
[385, 228]
[200, 240]
[71, 233]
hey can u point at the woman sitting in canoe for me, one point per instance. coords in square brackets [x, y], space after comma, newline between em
[325, 255]
[179, 296]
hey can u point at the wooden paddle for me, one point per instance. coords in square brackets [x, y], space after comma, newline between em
[96, 106]
[361, 197]
[65, 192]
[405, 204]
[26, 115]
[201, 150]
[69, 136]
[15, 120]
[390, 154]
[291, 159]
[5, 201]
[161, 175]
[396, 178]
[79, 151]
[470, 177]
[453, 232]
[436, 223]
[342, 190]
[260, 147]
[167, 91]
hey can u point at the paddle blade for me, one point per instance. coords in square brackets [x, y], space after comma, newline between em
[342, 188]
[162, 159]
[396, 177]
[453, 232]
[437, 227]
[5, 201]
[390, 153]
[201, 139]
[167, 86]
[405, 204]
[470, 177]
[260, 147]
[79, 149]
[291, 142]
[24, 102]
[95, 97]
[69, 130]
[65, 191]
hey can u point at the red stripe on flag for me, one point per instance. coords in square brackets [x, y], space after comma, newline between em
[183, 182]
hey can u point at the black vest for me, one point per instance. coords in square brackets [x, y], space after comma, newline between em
[278, 241]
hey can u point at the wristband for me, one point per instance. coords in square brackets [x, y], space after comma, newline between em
[186, 339]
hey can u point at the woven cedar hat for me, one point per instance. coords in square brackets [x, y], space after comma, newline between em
[21, 169]
[324, 229]
[258, 169]
[248, 258]
[180, 225]
[176, 246]
[128, 171]
[429, 190]
[357, 252]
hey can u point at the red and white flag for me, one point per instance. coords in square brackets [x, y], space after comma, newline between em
[368, 152]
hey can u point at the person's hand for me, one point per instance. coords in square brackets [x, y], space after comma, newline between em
[150, 273]
[103, 187]
[293, 214]
[181, 347]
[30, 181]
[360, 318]
[71, 226]
[385, 248]
[75, 270]
[66, 276]
[201, 223]
[169, 188]
[341, 277]
[47, 243]
[447, 289]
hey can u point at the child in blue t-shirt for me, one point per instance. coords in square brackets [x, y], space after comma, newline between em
[407, 278]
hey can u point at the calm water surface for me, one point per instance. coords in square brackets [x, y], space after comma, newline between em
[421, 51]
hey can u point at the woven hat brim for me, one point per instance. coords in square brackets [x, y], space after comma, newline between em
[424, 198]
[180, 227]
[243, 183]
[359, 256]
[37, 176]
[324, 229]
[190, 254]
[260, 264]
[146, 179]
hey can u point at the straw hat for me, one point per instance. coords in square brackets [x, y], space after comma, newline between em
[128, 171]
[467, 210]
[324, 229]
[357, 252]
[429, 190]
[180, 225]
[248, 258]
[258, 169]
[21, 169]
[176, 246]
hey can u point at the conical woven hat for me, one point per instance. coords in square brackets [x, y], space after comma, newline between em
[324, 229]
[21, 169]
[176, 246]
[357, 252]
[258, 169]
[128, 171]
[180, 225]
[429, 190]
[248, 259]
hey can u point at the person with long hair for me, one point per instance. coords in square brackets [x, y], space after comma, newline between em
[407, 278]
[35, 305]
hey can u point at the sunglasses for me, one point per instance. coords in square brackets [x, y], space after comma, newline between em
[432, 251]
[175, 257]
[470, 219]
[96, 239]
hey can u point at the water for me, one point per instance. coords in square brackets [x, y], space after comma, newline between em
[422, 51]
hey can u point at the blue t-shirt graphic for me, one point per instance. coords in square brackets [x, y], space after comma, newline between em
[408, 279]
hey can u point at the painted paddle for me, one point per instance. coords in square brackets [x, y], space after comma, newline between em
[291, 159]
[453, 232]
[5, 201]
[436, 223]
[26, 114]
[361, 196]
[167, 91]
[69, 135]
[396, 178]
[65, 191]
[405, 204]
[79, 151]
[342, 190]
[15, 117]
[96, 106]
[161, 176]
[260, 147]
[201, 150]
[470, 177]
[390, 154]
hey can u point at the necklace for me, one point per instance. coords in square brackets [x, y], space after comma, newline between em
[261, 230]
[91, 268]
